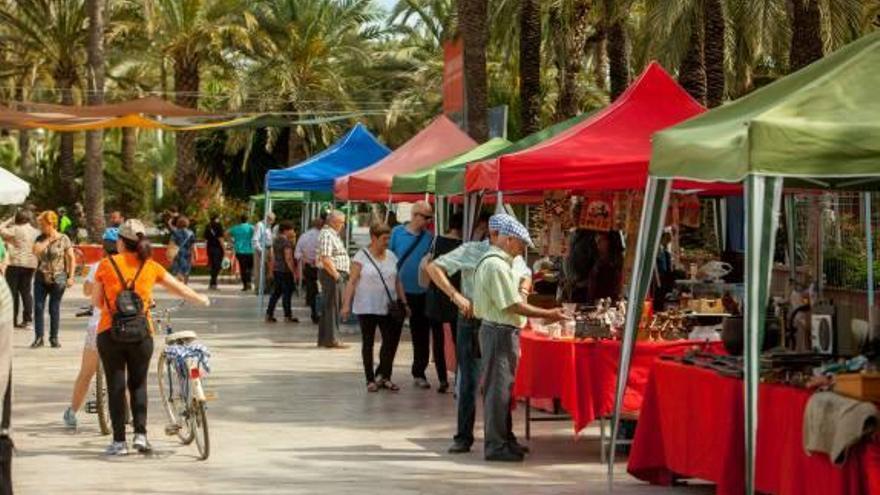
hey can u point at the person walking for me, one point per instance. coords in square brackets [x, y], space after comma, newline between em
[242, 235]
[20, 236]
[283, 268]
[440, 310]
[261, 242]
[89, 361]
[128, 360]
[185, 240]
[463, 261]
[374, 293]
[56, 266]
[213, 235]
[335, 265]
[410, 243]
[501, 307]
[305, 257]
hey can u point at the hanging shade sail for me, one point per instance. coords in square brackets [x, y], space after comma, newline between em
[424, 181]
[440, 140]
[449, 181]
[13, 191]
[354, 151]
[610, 150]
[820, 122]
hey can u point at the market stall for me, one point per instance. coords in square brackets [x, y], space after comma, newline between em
[816, 128]
[440, 140]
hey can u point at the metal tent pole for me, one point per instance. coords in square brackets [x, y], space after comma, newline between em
[267, 205]
[869, 247]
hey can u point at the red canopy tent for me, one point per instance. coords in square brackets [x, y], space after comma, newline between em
[440, 140]
[609, 151]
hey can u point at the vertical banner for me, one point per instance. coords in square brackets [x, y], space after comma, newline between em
[453, 79]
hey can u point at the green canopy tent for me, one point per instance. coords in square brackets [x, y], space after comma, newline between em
[424, 180]
[815, 128]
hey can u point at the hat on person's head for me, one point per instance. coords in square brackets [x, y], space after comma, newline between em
[132, 229]
[507, 225]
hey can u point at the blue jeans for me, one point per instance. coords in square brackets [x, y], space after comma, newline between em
[54, 293]
[468, 380]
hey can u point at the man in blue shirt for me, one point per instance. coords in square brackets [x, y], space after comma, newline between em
[410, 242]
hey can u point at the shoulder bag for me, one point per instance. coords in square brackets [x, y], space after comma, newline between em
[396, 307]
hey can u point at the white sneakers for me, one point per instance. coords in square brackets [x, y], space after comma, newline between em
[139, 443]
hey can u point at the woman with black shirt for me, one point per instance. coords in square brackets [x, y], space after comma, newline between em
[438, 307]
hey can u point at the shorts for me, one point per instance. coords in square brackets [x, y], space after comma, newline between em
[91, 342]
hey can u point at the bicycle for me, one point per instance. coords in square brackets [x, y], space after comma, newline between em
[182, 368]
[99, 405]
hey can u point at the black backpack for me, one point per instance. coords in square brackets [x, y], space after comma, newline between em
[129, 324]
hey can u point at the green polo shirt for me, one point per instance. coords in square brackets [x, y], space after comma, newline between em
[464, 259]
[496, 288]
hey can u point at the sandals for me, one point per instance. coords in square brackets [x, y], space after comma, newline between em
[372, 387]
[389, 385]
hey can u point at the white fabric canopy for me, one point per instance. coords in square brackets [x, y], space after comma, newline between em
[13, 191]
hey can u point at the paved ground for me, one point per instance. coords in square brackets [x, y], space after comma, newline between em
[289, 418]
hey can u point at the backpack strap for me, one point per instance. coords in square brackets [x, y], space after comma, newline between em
[121, 279]
[412, 247]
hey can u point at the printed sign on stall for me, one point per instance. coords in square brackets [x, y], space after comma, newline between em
[597, 212]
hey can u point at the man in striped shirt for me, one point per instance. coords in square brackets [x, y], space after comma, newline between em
[334, 263]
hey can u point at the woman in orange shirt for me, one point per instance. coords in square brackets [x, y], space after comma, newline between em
[135, 267]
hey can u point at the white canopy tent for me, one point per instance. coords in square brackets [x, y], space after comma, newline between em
[13, 191]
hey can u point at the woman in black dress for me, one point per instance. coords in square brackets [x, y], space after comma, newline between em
[438, 307]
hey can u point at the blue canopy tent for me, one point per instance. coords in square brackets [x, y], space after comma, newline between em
[358, 149]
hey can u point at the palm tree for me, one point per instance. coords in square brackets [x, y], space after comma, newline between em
[94, 171]
[806, 33]
[311, 55]
[530, 66]
[472, 25]
[614, 19]
[573, 33]
[713, 51]
[54, 31]
[192, 33]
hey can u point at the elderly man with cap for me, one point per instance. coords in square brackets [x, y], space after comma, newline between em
[501, 307]
[464, 259]
[410, 243]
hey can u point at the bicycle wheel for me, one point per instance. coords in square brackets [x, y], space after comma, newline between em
[175, 406]
[102, 403]
[199, 425]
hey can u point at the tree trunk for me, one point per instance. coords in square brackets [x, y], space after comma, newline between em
[474, 33]
[692, 71]
[713, 56]
[186, 87]
[25, 164]
[618, 59]
[132, 203]
[68, 193]
[94, 171]
[569, 97]
[530, 66]
[806, 34]
[295, 147]
[597, 45]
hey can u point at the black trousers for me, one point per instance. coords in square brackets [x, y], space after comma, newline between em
[420, 327]
[283, 289]
[438, 342]
[390, 339]
[245, 268]
[21, 284]
[121, 359]
[310, 281]
[215, 262]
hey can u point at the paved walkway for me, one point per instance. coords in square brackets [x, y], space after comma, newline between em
[289, 418]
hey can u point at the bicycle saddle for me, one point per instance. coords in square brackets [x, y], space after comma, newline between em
[182, 336]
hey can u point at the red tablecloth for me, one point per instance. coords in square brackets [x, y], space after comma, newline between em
[691, 425]
[583, 375]
[94, 252]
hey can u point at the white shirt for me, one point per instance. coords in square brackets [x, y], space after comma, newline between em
[96, 310]
[306, 246]
[261, 232]
[370, 297]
